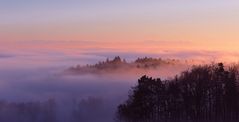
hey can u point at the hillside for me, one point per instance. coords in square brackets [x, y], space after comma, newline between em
[118, 64]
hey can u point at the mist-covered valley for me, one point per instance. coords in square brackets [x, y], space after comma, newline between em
[34, 91]
[50, 83]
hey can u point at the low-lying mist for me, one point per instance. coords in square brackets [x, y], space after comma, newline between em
[35, 88]
[48, 94]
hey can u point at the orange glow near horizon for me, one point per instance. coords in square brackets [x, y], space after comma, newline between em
[126, 26]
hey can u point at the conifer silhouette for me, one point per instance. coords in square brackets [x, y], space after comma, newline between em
[203, 94]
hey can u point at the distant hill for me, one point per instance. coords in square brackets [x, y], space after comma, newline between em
[118, 64]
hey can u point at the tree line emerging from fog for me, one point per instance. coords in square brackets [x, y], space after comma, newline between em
[28, 111]
[207, 93]
[118, 64]
[51, 111]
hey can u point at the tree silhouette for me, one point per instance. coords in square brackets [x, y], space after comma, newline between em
[205, 93]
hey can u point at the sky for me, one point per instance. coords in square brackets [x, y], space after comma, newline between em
[169, 24]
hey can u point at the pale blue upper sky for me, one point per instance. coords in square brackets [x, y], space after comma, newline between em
[121, 20]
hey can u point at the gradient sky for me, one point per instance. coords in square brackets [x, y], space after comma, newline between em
[203, 25]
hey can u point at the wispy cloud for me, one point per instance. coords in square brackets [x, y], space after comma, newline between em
[67, 50]
[6, 55]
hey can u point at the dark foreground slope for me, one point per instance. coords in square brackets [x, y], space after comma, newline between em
[204, 94]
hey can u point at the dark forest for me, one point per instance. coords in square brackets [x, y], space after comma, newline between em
[207, 93]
